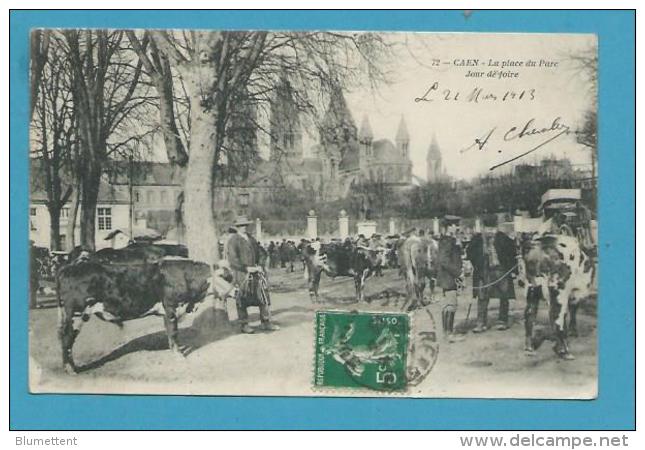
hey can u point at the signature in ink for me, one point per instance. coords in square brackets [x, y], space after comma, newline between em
[551, 132]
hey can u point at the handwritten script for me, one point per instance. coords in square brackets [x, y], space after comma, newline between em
[475, 95]
[552, 131]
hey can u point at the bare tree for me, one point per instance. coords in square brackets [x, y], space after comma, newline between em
[38, 58]
[54, 135]
[223, 69]
[106, 94]
[585, 64]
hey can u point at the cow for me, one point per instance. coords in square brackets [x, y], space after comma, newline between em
[418, 261]
[414, 258]
[336, 259]
[117, 292]
[558, 270]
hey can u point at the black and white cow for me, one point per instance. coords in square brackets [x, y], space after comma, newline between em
[558, 270]
[336, 259]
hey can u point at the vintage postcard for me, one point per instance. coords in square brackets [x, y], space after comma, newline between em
[313, 213]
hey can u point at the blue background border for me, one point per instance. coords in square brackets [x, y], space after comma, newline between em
[615, 406]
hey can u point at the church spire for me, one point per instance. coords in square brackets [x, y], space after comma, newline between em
[434, 166]
[402, 134]
[434, 152]
[403, 139]
[365, 133]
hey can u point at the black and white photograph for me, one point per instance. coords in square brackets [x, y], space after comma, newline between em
[313, 213]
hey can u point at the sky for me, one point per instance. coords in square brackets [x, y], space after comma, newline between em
[423, 59]
[559, 95]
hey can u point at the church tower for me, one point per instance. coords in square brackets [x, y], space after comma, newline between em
[403, 139]
[365, 139]
[339, 135]
[285, 127]
[434, 164]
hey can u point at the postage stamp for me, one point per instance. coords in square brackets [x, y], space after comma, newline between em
[362, 350]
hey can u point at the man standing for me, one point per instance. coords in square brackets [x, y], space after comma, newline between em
[243, 257]
[493, 256]
[448, 272]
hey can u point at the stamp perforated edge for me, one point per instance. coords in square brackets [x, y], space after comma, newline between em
[342, 391]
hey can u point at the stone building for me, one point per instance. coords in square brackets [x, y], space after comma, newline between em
[344, 155]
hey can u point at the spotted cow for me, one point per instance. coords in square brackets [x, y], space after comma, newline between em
[558, 270]
[345, 259]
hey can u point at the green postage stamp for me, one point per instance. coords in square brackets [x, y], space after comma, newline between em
[361, 350]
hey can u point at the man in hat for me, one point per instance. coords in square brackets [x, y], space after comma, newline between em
[377, 244]
[448, 273]
[243, 259]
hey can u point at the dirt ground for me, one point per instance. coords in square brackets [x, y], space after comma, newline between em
[136, 359]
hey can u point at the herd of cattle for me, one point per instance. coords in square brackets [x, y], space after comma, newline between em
[145, 279]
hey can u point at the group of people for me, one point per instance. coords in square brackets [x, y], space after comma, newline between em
[282, 253]
[244, 260]
[492, 258]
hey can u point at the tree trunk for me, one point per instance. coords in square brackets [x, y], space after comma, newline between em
[201, 232]
[71, 220]
[54, 228]
[174, 146]
[89, 199]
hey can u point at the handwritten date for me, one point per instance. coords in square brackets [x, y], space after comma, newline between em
[475, 95]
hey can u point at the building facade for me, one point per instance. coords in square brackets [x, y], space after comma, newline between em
[112, 212]
[156, 195]
[344, 155]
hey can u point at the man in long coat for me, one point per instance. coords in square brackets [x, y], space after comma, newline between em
[493, 256]
[243, 258]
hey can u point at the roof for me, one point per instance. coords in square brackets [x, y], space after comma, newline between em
[161, 173]
[147, 173]
[271, 173]
[107, 194]
[338, 113]
[385, 150]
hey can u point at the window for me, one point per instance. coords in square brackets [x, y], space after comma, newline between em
[105, 218]
[137, 197]
[32, 211]
[64, 213]
[164, 197]
[150, 197]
